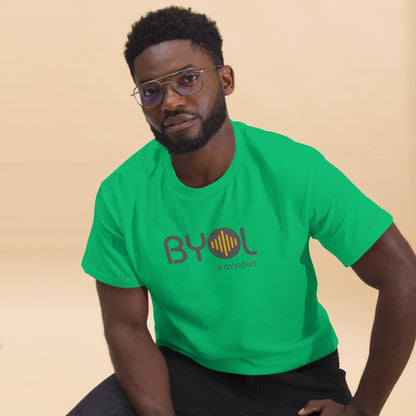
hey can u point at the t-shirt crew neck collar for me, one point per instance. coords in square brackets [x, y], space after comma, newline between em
[220, 183]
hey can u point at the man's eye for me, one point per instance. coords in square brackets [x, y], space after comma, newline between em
[188, 79]
[150, 91]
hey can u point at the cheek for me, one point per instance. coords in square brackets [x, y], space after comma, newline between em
[207, 102]
[151, 119]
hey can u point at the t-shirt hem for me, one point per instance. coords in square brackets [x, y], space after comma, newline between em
[268, 364]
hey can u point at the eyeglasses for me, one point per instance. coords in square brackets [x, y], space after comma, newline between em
[185, 82]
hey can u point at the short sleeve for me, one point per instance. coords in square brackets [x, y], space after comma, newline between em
[106, 257]
[342, 218]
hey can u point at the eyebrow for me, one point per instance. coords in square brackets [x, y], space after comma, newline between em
[164, 76]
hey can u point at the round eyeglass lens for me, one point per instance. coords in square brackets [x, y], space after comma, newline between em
[151, 95]
[187, 82]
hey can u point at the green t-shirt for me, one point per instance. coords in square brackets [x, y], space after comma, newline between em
[228, 265]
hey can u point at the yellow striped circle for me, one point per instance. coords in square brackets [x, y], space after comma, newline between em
[224, 243]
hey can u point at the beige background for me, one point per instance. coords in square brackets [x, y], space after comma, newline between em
[338, 75]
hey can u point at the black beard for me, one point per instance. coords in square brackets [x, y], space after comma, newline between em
[210, 126]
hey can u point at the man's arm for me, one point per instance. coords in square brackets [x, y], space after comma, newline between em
[390, 267]
[139, 365]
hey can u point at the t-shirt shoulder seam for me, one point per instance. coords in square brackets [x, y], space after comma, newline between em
[141, 156]
[272, 134]
[318, 158]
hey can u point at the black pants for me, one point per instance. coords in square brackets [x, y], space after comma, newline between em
[198, 391]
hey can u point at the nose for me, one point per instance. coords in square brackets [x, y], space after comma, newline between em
[171, 100]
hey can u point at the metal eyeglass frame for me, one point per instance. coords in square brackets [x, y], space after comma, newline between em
[136, 90]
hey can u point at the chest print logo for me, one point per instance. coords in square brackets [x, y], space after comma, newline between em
[223, 243]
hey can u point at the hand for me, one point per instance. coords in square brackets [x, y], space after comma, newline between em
[327, 408]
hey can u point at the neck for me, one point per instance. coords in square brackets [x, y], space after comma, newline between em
[204, 166]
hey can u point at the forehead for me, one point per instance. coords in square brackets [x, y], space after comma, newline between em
[167, 57]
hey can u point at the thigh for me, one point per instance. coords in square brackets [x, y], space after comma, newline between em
[199, 391]
[107, 399]
[285, 394]
[196, 391]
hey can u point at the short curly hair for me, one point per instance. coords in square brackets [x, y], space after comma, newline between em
[172, 23]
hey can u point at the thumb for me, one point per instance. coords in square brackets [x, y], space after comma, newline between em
[314, 406]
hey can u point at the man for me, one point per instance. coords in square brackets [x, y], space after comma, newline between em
[213, 218]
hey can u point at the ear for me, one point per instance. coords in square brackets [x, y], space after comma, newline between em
[226, 74]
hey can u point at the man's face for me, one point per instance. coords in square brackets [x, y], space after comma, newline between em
[182, 124]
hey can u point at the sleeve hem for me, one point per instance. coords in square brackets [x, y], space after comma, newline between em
[373, 236]
[110, 281]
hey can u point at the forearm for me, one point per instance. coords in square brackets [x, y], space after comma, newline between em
[142, 372]
[392, 340]
[389, 266]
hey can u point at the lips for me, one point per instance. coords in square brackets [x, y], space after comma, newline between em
[179, 122]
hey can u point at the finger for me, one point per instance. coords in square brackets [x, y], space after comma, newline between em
[314, 406]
